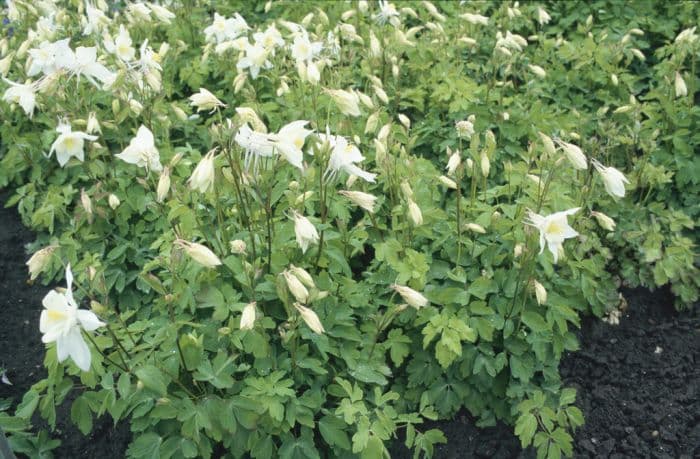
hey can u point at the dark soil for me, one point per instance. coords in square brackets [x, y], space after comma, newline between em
[22, 352]
[638, 403]
[638, 385]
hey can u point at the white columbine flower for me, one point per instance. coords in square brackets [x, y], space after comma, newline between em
[23, 95]
[142, 151]
[69, 143]
[305, 232]
[121, 45]
[364, 200]
[613, 179]
[554, 230]
[61, 321]
[303, 49]
[290, 141]
[84, 62]
[387, 14]
[271, 38]
[94, 20]
[205, 100]
[256, 145]
[255, 59]
[202, 177]
[410, 296]
[49, 57]
[344, 155]
[542, 16]
[223, 29]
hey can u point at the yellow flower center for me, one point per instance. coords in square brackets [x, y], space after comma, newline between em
[70, 143]
[56, 315]
[554, 228]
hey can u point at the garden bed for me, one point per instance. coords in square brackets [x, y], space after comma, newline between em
[638, 383]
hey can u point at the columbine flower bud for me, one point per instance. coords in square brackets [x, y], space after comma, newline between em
[517, 250]
[135, 106]
[574, 154]
[540, 292]
[303, 197]
[39, 261]
[549, 147]
[372, 122]
[305, 232]
[310, 318]
[535, 179]
[485, 164]
[681, 88]
[475, 227]
[296, 287]
[238, 247]
[163, 185]
[199, 253]
[406, 190]
[542, 16]
[448, 182]
[405, 120]
[414, 213]
[205, 100]
[5, 64]
[453, 163]
[202, 177]
[93, 125]
[638, 54]
[348, 102]
[365, 99]
[604, 221]
[364, 200]
[239, 81]
[375, 47]
[410, 296]
[85, 201]
[537, 70]
[248, 316]
[113, 201]
[302, 275]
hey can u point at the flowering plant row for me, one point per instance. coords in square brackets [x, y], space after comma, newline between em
[300, 231]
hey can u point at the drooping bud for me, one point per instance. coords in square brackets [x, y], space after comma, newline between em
[310, 318]
[39, 261]
[238, 247]
[540, 292]
[413, 298]
[199, 253]
[415, 213]
[248, 316]
[113, 201]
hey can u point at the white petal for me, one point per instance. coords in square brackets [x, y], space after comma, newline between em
[54, 300]
[76, 347]
[89, 320]
[554, 248]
